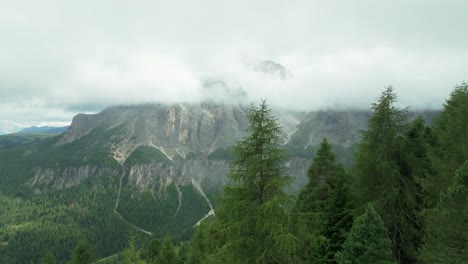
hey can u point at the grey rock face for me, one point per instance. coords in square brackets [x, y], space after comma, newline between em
[180, 129]
[62, 178]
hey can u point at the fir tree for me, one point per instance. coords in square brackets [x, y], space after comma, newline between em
[386, 178]
[324, 207]
[446, 236]
[253, 212]
[131, 253]
[152, 251]
[182, 254]
[167, 254]
[367, 241]
[48, 258]
[451, 148]
[82, 254]
[206, 241]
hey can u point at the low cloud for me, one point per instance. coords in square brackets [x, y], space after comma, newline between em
[60, 58]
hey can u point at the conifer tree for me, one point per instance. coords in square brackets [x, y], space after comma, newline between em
[82, 254]
[131, 253]
[48, 258]
[167, 254]
[206, 241]
[253, 211]
[182, 254]
[451, 148]
[446, 236]
[324, 207]
[386, 178]
[152, 251]
[367, 241]
[418, 141]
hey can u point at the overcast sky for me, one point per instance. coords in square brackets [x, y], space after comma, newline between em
[60, 58]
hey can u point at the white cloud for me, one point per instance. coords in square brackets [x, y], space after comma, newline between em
[61, 57]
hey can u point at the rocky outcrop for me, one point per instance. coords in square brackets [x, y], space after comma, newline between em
[62, 178]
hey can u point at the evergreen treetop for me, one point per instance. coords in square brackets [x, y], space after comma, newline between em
[253, 212]
[367, 241]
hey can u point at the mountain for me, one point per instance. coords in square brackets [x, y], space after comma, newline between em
[148, 170]
[44, 130]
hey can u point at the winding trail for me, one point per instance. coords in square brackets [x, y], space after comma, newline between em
[117, 201]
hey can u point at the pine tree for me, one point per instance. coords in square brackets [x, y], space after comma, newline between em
[324, 207]
[446, 236]
[418, 142]
[167, 253]
[205, 242]
[82, 254]
[253, 211]
[152, 251]
[182, 254]
[48, 258]
[367, 241]
[385, 178]
[451, 148]
[131, 253]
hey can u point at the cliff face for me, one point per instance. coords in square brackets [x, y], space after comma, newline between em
[185, 135]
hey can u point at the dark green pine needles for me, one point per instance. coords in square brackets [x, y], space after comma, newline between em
[367, 242]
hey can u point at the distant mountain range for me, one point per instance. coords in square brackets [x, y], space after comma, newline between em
[151, 169]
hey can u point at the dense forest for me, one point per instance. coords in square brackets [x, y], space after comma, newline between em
[404, 200]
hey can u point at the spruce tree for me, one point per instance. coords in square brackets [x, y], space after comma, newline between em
[48, 258]
[451, 148]
[131, 253]
[367, 241]
[206, 241]
[152, 251]
[253, 210]
[385, 178]
[167, 253]
[417, 162]
[82, 254]
[446, 236]
[324, 207]
[182, 254]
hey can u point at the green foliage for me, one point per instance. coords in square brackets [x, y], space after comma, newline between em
[367, 242]
[206, 241]
[157, 210]
[385, 177]
[131, 253]
[17, 164]
[58, 220]
[82, 254]
[323, 207]
[183, 252]
[221, 154]
[152, 251]
[417, 161]
[446, 236]
[15, 140]
[48, 258]
[145, 155]
[167, 253]
[451, 148]
[252, 213]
